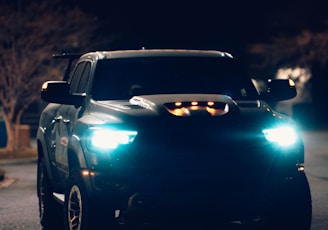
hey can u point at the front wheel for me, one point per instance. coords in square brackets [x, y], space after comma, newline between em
[76, 205]
[50, 211]
[80, 213]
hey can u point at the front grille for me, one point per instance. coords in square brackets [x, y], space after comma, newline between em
[210, 157]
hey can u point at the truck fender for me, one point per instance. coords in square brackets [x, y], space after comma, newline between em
[75, 154]
[43, 152]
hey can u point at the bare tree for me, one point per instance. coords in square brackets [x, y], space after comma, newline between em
[307, 49]
[29, 35]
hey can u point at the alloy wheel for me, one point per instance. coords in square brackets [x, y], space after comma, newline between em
[74, 207]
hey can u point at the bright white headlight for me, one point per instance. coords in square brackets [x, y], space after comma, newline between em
[111, 139]
[283, 136]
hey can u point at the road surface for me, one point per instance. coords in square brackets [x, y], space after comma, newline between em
[18, 202]
[316, 166]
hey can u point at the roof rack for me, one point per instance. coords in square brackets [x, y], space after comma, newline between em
[67, 55]
[71, 57]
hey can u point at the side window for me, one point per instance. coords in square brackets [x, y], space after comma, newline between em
[82, 87]
[80, 78]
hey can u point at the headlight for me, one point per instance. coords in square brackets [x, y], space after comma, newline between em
[283, 135]
[106, 139]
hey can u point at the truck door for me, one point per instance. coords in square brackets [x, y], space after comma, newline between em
[67, 116]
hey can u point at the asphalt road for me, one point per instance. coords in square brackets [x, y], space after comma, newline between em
[316, 162]
[18, 202]
[19, 205]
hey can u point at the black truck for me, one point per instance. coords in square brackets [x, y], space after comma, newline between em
[165, 139]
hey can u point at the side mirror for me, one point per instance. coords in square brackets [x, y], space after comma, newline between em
[59, 92]
[279, 90]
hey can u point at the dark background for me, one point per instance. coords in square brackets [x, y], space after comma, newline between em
[204, 24]
[230, 26]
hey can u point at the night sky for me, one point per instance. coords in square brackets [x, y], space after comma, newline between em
[222, 25]
[228, 25]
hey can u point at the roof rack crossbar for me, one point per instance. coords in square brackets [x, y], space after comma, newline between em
[67, 55]
[71, 57]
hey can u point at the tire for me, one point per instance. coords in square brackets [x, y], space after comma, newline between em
[50, 211]
[80, 212]
[293, 209]
[76, 206]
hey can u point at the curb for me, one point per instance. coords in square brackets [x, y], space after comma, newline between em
[7, 182]
[29, 160]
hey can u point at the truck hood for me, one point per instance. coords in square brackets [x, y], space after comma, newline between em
[181, 105]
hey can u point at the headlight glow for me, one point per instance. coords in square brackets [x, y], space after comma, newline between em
[283, 136]
[111, 138]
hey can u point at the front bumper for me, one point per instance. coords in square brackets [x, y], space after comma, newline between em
[232, 179]
[147, 198]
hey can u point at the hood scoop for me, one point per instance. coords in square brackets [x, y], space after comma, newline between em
[183, 105]
[192, 108]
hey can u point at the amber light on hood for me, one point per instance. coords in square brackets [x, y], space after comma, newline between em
[196, 107]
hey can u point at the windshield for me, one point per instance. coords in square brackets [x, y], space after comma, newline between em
[120, 79]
